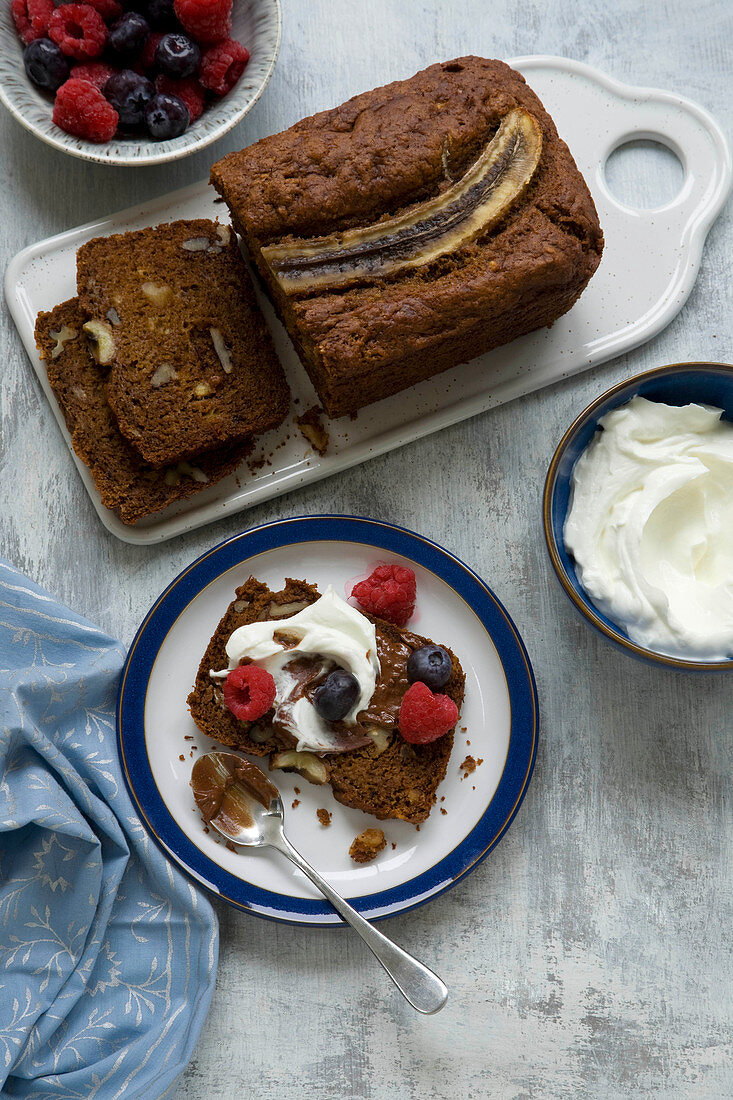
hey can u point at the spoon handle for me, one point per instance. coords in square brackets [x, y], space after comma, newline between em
[419, 985]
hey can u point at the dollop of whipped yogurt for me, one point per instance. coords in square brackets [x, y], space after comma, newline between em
[650, 526]
[328, 629]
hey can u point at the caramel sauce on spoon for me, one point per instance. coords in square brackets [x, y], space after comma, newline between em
[223, 784]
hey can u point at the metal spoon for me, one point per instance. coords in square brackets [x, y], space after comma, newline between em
[239, 801]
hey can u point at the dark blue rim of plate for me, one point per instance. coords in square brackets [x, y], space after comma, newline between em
[523, 739]
[676, 384]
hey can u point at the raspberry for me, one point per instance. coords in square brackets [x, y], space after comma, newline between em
[79, 30]
[95, 72]
[147, 57]
[108, 9]
[207, 21]
[425, 717]
[81, 109]
[190, 91]
[389, 592]
[31, 18]
[222, 65]
[249, 692]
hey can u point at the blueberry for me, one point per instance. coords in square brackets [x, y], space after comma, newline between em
[161, 15]
[129, 94]
[431, 665]
[177, 56]
[128, 34]
[336, 696]
[45, 64]
[166, 116]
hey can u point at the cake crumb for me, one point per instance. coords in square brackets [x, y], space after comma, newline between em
[366, 845]
[393, 846]
[255, 464]
[181, 757]
[468, 766]
[443, 811]
[296, 802]
[324, 817]
[297, 790]
[479, 762]
[188, 737]
[312, 429]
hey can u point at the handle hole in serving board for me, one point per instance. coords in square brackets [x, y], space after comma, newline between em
[643, 174]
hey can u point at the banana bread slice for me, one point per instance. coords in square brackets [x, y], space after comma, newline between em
[388, 777]
[414, 227]
[126, 483]
[191, 362]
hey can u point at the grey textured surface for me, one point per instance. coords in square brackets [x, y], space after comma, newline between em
[590, 955]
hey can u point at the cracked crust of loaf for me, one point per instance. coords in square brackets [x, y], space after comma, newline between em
[125, 482]
[398, 782]
[379, 154]
[193, 365]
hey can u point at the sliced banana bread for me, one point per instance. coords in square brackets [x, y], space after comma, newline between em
[191, 362]
[126, 483]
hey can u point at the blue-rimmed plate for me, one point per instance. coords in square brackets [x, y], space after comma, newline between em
[499, 725]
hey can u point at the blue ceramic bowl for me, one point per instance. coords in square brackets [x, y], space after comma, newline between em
[678, 384]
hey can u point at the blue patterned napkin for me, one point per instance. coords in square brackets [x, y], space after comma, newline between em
[107, 953]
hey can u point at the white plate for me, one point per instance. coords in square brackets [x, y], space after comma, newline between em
[648, 269]
[499, 716]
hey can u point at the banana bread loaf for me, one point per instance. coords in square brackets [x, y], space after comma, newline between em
[414, 227]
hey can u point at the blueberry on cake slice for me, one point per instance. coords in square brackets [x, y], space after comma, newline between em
[338, 694]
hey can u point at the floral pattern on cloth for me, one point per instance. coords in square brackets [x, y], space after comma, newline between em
[107, 952]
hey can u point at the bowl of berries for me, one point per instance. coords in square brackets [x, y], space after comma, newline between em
[135, 81]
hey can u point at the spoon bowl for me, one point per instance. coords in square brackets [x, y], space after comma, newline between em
[238, 800]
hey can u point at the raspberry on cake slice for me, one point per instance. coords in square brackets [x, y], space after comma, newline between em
[190, 361]
[342, 691]
[126, 483]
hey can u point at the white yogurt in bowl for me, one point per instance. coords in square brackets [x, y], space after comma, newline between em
[650, 526]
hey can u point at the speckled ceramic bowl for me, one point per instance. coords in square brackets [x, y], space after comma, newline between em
[256, 24]
[678, 384]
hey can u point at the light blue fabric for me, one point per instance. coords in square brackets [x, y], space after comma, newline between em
[107, 953]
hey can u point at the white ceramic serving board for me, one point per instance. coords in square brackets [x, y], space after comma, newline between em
[649, 266]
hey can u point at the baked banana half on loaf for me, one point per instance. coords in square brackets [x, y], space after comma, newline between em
[414, 227]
